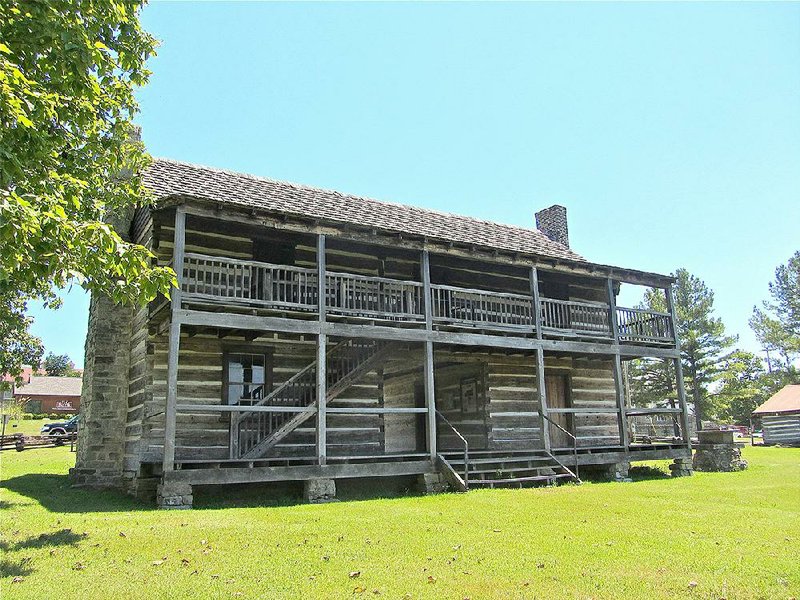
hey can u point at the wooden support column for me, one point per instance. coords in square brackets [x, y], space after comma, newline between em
[430, 392]
[679, 385]
[612, 309]
[537, 306]
[322, 363]
[622, 419]
[321, 268]
[170, 411]
[540, 384]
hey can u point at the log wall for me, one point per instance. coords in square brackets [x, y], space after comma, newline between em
[781, 429]
[503, 415]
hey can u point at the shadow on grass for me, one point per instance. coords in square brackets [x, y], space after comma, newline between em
[15, 568]
[644, 473]
[53, 492]
[287, 494]
[63, 537]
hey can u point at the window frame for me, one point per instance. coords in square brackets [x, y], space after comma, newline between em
[269, 366]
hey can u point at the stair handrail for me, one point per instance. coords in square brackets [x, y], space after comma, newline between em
[463, 441]
[574, 443]
[294, 378]
[333, 389]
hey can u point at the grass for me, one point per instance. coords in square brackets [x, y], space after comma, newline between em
[27, 426]
[714, 535]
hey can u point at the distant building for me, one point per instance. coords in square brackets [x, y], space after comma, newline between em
[8, 383]
[780, 417]
[51, 394]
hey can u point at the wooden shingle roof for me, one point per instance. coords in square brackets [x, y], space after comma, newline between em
[170, 178]
[786, 400]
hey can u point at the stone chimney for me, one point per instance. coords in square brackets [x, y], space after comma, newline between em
[553, 223]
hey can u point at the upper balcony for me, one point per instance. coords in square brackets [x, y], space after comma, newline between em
[235, 284]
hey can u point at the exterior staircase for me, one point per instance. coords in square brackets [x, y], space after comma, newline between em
[490, 469]
[255, 433]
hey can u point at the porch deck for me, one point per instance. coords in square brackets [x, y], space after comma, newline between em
[215, 472]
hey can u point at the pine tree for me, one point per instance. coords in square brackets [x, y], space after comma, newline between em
[703, 347]
[777, 326]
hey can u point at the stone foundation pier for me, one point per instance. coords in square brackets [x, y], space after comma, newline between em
[717, 452]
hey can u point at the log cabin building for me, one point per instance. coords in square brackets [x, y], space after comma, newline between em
[315, 336]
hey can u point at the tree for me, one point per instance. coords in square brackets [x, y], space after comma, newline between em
[743, 388]
[17, 346]
[59, 365]
[703, 339]
[777, 326]
[68, 158]
[703, 345]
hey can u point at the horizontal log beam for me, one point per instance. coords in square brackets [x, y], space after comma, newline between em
[219, 408]
[299, 326]
[229, 476]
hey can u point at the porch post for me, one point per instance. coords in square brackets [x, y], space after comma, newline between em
[170, 417]
[430, 399]
[322, 363]
[537, 307]
[621, 414]
[687, 438]
[612, 309]
[430, 393]
[622, 419]
[542, 397]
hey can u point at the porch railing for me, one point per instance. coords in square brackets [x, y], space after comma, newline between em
[576, 465]
[223, 280]
[636, 325]
[459, 306]
[464, 442]
[654, 425]
[376, 297]
[229, 279]
[570, 316]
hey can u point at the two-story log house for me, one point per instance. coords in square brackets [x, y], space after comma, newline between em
[316, 336]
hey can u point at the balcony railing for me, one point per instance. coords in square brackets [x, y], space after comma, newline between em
[637, 325]
[280, 287]
[569, 316]
[474, 308]
[230, 280]
[376, 297]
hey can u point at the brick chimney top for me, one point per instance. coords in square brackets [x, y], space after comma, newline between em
[552, 222]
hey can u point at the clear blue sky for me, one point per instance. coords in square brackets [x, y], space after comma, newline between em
[670, 131]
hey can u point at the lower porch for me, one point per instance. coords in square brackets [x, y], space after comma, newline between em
[260, 410]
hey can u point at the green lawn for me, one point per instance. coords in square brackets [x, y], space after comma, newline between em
[708, 536]
[27, 426]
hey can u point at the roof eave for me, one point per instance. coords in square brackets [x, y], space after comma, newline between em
[617, 273]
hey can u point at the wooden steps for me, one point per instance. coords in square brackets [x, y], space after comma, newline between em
[487, 468]
[346, 363]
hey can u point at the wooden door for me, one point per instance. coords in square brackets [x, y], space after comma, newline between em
[557, 390]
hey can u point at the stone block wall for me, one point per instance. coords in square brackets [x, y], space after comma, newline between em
[104, 398]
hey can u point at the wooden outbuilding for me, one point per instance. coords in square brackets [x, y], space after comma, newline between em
[780, 417]
[316, 335]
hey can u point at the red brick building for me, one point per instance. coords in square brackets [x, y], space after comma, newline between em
[51, 394]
